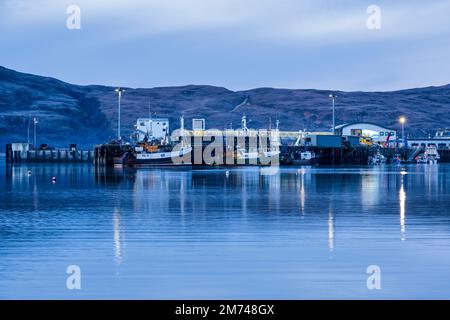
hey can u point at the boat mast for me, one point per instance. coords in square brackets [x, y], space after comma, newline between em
[182, 130]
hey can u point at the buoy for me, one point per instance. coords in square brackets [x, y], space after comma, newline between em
[227, 173]
[53, 179]
[29, 172]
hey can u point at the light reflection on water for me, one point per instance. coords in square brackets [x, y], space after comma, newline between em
[189, 234]
[402, 200]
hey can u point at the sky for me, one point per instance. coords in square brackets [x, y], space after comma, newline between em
[237, 44]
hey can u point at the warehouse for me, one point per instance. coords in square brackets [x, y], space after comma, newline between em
[378, 134]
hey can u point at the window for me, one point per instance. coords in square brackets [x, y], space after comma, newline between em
[142, 124]
[381, 134]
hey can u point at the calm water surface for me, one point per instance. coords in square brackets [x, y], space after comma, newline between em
[301, 233]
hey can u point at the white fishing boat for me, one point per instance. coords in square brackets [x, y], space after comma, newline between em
[154, 146]
[162, 155]
[305, 157]
[271, 154]
[242, 154]
[378, 159]
[430, 156]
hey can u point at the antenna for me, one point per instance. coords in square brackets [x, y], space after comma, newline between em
[28, 129]
[244, 123]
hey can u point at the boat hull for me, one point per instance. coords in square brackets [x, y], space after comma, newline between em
[305, 162]
[171, 158]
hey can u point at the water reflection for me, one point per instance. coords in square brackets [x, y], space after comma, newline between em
[117, 238]
[223, 232]
[35, 194]
[402, 200]
[302, 190]
[331, 227]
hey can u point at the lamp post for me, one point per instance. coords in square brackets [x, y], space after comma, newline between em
[119, 92]
[28, 130]
[35, 122]
[333, 101]
[402, 121]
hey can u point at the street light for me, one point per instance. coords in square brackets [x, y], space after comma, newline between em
[333, 101]
[119, 92]
[402, 121]
[35, 122]
[28, 130]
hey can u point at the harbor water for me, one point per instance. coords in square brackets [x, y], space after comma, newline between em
[234, 233]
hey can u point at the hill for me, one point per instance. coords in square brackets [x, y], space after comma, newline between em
[87, 115]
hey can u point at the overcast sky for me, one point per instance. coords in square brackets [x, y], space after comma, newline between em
[238, 44]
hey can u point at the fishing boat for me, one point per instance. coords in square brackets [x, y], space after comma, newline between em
[305, 157]
[154, 155]
[430, 156]
[258, 154]
[270, 154]
[242, 154]
[397, 159]
[377, 159]
[153, 146]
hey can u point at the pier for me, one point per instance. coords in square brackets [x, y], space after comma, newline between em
[242, 146]
[109, 155]
[21, 152]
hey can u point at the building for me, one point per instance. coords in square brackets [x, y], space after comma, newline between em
[20, 150]
[441, 140]
[323, 141]
[378, 134]
[442, 143]
[152, 129]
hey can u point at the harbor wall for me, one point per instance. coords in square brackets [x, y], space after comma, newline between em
[111, 154]
[53, 155]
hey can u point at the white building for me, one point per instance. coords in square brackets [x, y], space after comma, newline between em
[378, 134]
[438, 142]
[152, 129]
[20, 149]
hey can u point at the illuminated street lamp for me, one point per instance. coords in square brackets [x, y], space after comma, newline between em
[333, 101]
[119, 92]
[402, 121]
[35, 122]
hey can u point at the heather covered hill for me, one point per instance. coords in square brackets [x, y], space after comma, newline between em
[87, 115]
